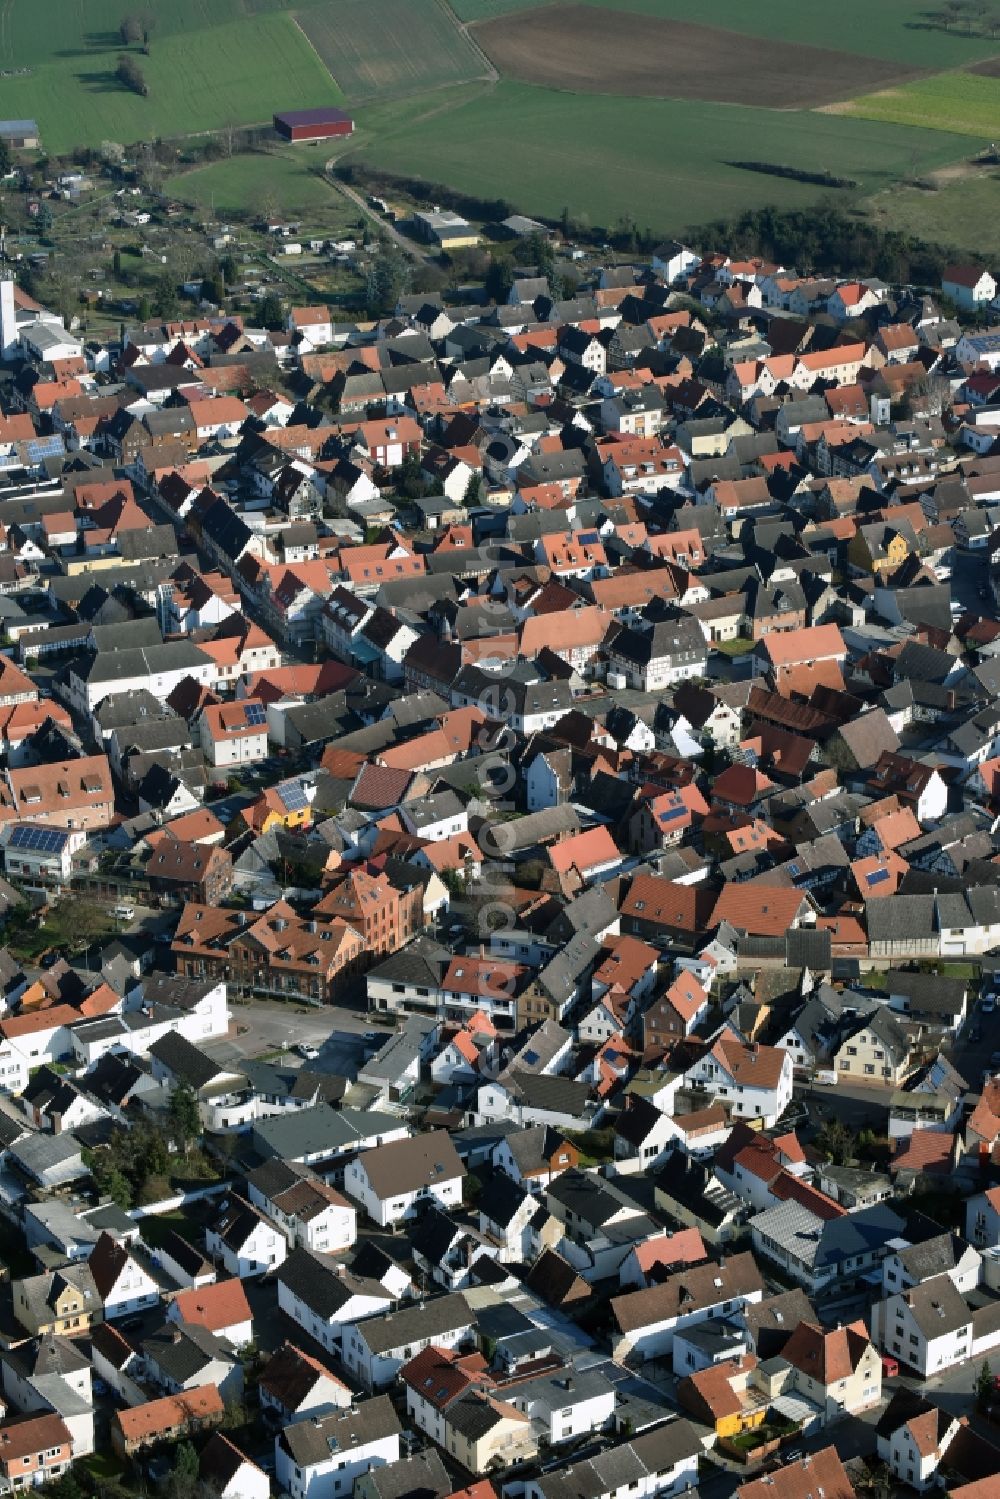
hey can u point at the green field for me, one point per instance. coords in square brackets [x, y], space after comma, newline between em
[967, 103]
[239, 73]
[389, 47]
[286, 178]
[486, 10]
[36, 30]
[961, 213]
[663, 162]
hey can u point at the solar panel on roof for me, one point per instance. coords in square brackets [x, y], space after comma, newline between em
[292, 795]
[255, 713]
[38, 840]
[672, 813]
[38, 448]
[877, 876]
[587, 538]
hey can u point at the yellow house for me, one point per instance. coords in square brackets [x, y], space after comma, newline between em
[720, 1397]
[877, 549]
[281, 806]
[480, 1431]
[60, 1301]
[876, 1051]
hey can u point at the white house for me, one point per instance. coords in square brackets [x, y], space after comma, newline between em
[245, 1241]
[320, 1459]
[968, 286]
[948, 1254]
[755, 1081]
[311, 1213]
[375, 1350]
[928, 1327]
[324, 1299]
[654, 1465]
[982, 1219]
[294, 1386]
[229, 1473]
[393, 1180]
[912, 1436]
[644, 1322]
[122, 1283]
[222, 1308]
[567, 1403]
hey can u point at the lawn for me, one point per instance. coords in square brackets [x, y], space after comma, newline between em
[288, 179]
[390, 47]
[268, 65]
[968, 103]
[665, 162]
[64, 928]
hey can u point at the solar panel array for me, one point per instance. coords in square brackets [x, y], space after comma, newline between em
[38, 448]
[38, 840]
[292, 795]
[877, 876]
[255, 713]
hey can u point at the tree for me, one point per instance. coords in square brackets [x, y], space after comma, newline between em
[185, 1120]
[539, 252]
[388, 278]
[213, 288]
[5, 158]
[131, 76]
[272, 313]
[473, 491]
[836, 1142]
[165, 296]
[130, 30]
[499, 278]
[984, 1382]
[144, 308]
[184, 1480]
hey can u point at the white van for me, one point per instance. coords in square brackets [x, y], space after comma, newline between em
[123, 912]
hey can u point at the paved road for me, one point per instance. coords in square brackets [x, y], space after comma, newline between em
[409, 249]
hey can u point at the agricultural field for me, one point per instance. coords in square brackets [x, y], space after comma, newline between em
[586, 50]
[666, 163]
[390, 47]
[966, 103]
[77, 100]
[899, 31]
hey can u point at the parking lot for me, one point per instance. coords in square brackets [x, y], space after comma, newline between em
[343, 1035]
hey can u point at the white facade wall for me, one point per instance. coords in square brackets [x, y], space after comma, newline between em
[333, 1478]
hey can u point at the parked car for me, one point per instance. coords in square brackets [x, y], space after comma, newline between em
[306, 1050]
[988, 1004]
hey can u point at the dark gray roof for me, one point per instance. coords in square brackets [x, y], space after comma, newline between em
[429, 1319]
[324, 1286]
[311, 1442]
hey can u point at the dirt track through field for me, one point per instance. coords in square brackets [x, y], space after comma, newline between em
[587, 50]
